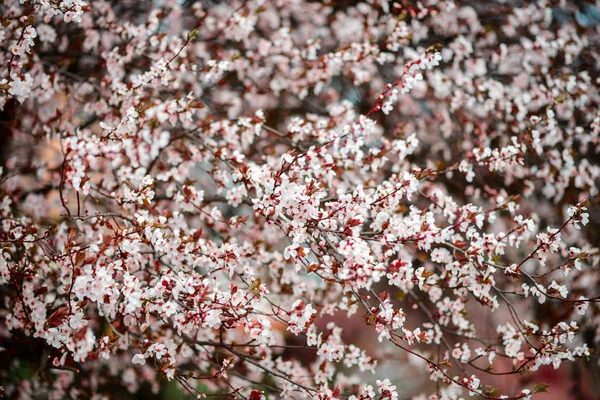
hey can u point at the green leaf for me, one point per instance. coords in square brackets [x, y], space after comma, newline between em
[541, 388]
[192, 35]
[560, 98]
[400, 295]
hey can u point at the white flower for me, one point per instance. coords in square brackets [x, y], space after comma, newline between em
[139, 359]
[294, 250]
[20, 88]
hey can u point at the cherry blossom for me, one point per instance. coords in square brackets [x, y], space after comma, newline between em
[297, 199]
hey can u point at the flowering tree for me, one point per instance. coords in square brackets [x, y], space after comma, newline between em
[223, 194]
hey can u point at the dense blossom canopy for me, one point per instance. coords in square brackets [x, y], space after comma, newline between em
[298, 199]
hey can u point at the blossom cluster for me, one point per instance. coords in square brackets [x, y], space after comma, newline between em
[297, 199]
